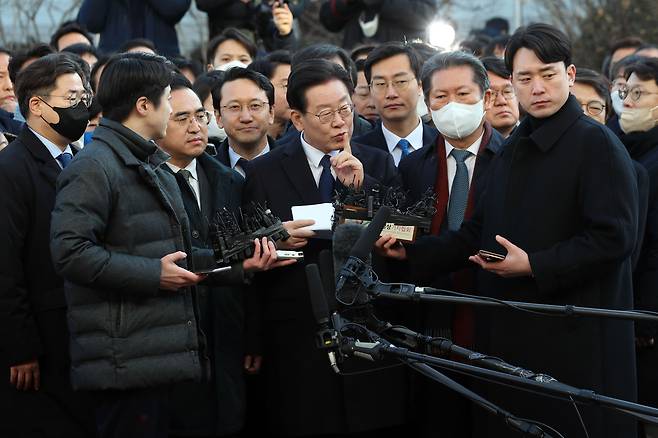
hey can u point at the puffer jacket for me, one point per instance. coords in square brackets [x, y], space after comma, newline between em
[117, 213]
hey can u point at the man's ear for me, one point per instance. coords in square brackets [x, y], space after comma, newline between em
[142, 106]
[571, 74]
[35, 106]
[488, 100]
[297, 119]
[218, 116]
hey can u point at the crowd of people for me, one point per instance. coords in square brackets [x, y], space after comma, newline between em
[116, 157]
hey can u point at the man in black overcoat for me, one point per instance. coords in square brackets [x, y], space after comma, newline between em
[36, 399]
[562, 204]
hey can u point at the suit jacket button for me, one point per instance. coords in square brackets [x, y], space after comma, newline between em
[195, 234]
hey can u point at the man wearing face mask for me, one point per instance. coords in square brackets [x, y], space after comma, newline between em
[52, 93]
[393, 72]
[638, 121]
[455, 165]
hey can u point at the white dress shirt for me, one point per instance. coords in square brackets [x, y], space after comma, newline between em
[234, 157]
[194, 179]
[54, 150]
[451, 163]
[415, 139]
[314, 156]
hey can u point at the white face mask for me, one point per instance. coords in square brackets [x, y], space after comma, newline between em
[228, 65]
[617, 102]
[458, 120]
[214, 130]
[369, 28]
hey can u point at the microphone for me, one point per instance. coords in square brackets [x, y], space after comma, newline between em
[348, 287]
[344, 239]
[326, 338]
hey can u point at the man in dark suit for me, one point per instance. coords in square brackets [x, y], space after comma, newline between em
[303, 395]
[393, 72]
[562, 204]
[244, 105]
[214, 408]
[456, 88]
[38, 399]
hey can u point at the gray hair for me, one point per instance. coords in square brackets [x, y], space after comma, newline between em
[446, 60]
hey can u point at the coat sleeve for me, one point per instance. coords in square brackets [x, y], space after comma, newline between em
[609, 211]
[172, 11]
[20, 340]
[93, 13]
[78, 224]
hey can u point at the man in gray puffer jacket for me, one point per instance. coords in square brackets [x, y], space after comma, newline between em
[121, 239]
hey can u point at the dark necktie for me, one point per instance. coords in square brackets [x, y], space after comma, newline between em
[404, 145]
[245, 165]
[459, 191]
[64, 159]
[326, 184]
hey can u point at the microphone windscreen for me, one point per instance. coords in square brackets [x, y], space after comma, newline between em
[366, 242]
[344, 238]
[326, 265]
[316, 292]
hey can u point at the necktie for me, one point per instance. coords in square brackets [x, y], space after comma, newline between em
[404, 145]
[245, 165]
[459, 191]
[64, 159]
[326, 184]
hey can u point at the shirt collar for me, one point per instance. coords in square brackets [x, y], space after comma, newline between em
[474, 148]
[54, 150]
[313, 154]
[234, 156]
[190, 168]
[415, 137]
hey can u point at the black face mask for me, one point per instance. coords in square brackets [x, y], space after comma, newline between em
[72, 121]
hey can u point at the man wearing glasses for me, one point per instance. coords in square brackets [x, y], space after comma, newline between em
[504, 112]
[393, 72]
[52, 94]
[302, 394]
[591, 91]
[245, 109]
[638, 121]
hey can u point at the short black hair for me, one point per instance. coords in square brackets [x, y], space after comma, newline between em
[182, 63]
[645, 68]
[360, 65]
[235, 73]
[327, 52]
[425, 51]
[598, 82]
[361, 50]
[129, 76]
[458, 58]
[476, 46]
[81, 49]
[310, 73]
[547, 42]
[205, 84]
[495, 65]
[646, 46]
[67, 27]
[178, 81]
[5, 50]
[102, 60]
[267, 66]
[137, 42]
[40, 77]
[619, 68]
[230, 33]
[630, 42]
[19, 59]
[389, 50]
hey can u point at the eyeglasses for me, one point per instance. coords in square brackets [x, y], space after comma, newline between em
[184, 120]
[635, 93]
[380, 86]
[327, 116]
[254, 107]
[593, 107]
[507, 93]
[74, 99]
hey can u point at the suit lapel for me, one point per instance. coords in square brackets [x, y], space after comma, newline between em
[47, 165]
[295, 164]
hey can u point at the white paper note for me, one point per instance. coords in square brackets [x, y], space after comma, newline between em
[322, 214]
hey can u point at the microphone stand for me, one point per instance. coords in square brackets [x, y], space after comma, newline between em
[380, 348]
[361, 277]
